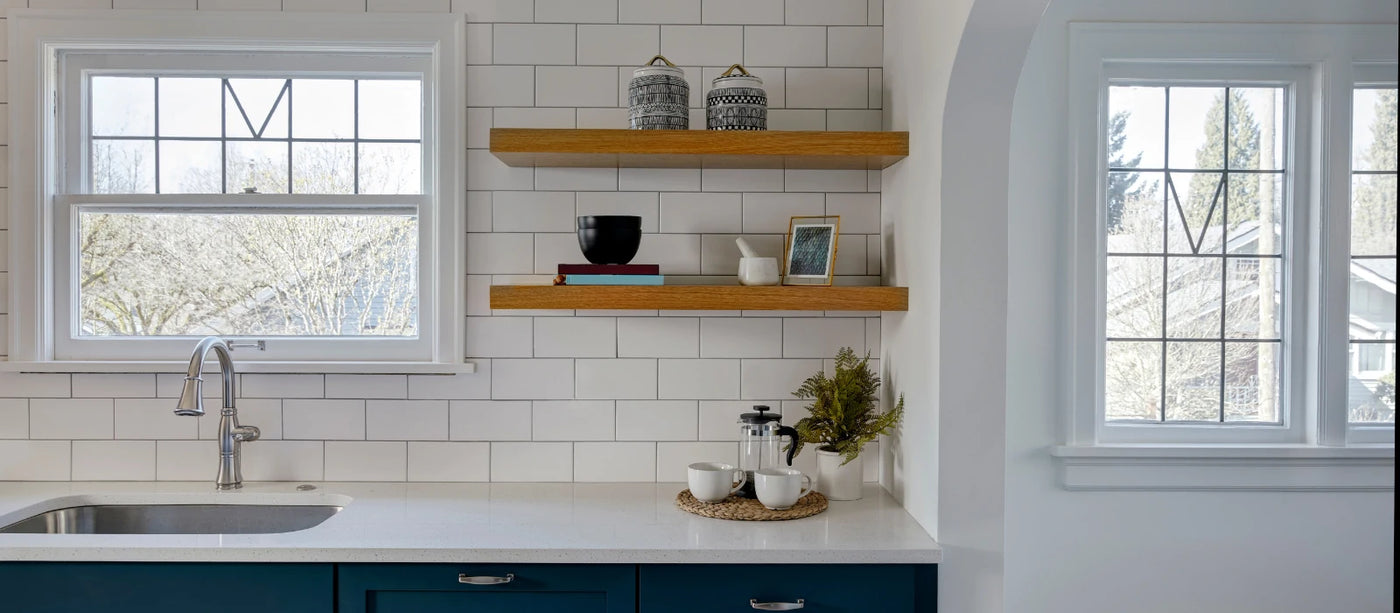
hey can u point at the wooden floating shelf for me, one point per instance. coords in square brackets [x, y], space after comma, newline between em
[698, 148]
[700, 297]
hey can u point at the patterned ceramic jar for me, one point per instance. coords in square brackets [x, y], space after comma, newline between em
[658, 98]
[736, 102]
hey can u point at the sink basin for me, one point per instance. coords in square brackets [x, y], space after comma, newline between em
[174, 519]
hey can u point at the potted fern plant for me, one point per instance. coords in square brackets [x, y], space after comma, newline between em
[844, 417]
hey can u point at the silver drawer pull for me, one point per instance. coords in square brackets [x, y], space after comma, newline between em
[778, 606]
[484, 579]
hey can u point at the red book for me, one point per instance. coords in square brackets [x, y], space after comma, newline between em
[609, 269]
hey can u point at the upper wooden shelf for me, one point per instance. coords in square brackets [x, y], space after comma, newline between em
[700, 297]
[698, 148]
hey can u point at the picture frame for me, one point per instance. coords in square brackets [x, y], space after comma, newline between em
[809, 249]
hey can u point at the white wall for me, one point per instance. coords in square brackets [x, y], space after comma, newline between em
[558, 396]
[1149, 551]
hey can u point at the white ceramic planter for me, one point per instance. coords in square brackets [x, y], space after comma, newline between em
[839, 482]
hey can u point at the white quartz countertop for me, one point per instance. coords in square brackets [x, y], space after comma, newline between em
[497, 522]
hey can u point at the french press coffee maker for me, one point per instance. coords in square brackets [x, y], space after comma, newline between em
[761, 444]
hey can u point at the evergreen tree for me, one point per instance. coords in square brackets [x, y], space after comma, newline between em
[1121, 185]
[1373, 210]
[1242, 190]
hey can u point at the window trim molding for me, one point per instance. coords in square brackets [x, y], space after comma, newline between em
[35, 40]
[1333, 52]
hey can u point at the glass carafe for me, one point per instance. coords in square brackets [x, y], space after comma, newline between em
[761, 444]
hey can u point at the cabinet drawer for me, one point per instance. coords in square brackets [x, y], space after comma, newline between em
[63, 587]
[428, 588]
[822, 588]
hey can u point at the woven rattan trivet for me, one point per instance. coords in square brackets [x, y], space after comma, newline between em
[750, 509]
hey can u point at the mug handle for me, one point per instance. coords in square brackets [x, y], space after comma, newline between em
[743, 478]
[806, 489]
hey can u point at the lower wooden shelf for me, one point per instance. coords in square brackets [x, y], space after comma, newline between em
[700, 297]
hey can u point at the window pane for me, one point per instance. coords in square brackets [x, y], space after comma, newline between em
[1193, 381]
[1195, 225]
[1132, 381]
[323, 108]
[323, 168]
[1373, 129]
[1247, 281]
[1135, 212]
[190, 107]
[1252, 382]
[123, 166]
[1196, 134]
[1373, 214]
[123, 106]
[1371, 393]
[190, 167]
[1134, 294]
[1136, 124]
[1255, 202]
[262, 166]
[1256, 128]
[391, 109]
[1193, 297]
[1372, 299]
[391, 168]
[254, 106]
[152, 274]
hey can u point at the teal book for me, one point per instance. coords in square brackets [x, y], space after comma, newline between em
[613, 279]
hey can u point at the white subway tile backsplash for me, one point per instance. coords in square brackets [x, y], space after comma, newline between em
[828, 88]
[617, 45]
[410, 6]
[500, 253]
[640, 203]
[189, 460]
[872, 336]
[499, 337]
[114, 460]
[775, 378]
[320, 6]
[700, 213]
[703, 45]
[658, 179]
[240, 5]
[855, 46]
[260, 385]
[854, 120]
[406, 420]
[785, 46]
[496, 10]
[741, 337]
[534, 43]
[609, 119]
[366, 386]
[803, 180]
[533, 212]
[621, 378]
[673, 458]
[485, 171]
[479, 128]
[92, 385]
[877, 91]
[283, 461]
[530, 379]
[742, 11]
[532, 118]
[658, 11]
[449, 462]
[34, 385]
[551, 250]
[822, 337]
[461, 385]
[860, 213]
[323, 419]
[827, 12]
[35, 460]
[699, 379]
[574, 86]
[500, 85]
[656, 420]
[771, 213]
[575, 11]
[614, 462]
[658, 337]
[677, 254]
[85, 418]
[490, 420]
[479, 206]
[478, 296]
[741, 180]
[366, 461]
[533, 462]
[479, 47]
[575, 337]
[580, 179]
[850, 254]
[144, 418]
[573, 420]
[876, 13]
[797, 119]
[14, 418]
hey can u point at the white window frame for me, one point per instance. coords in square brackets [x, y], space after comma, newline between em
[42, 113]
[1315, 437]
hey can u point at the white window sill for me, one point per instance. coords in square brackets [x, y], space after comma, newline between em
[245, 366]
[1226, 467]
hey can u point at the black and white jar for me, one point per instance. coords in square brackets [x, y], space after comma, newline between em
[736, 102]
[658, 97]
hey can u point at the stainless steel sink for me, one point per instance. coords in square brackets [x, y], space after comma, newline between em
[174, 519]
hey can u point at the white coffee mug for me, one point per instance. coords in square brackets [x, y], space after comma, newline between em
[714, 481]
[758, 271]
[780, 488]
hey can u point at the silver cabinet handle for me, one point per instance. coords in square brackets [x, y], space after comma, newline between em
[484, 579]
[778, 606]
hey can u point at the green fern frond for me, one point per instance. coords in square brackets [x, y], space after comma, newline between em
[843, 412]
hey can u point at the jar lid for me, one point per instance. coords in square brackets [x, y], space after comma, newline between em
[666, 68]
[760, 416]
[743, 79]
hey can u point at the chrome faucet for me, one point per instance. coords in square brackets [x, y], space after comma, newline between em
[231, 435]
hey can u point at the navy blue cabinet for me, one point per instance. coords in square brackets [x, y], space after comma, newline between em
[122, 587]
[818, 588]
[487, 588]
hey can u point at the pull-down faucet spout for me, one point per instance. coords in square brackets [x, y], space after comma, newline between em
[191, 403]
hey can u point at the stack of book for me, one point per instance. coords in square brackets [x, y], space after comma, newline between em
[609, 274]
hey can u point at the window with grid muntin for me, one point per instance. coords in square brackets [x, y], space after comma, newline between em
[1371, 278]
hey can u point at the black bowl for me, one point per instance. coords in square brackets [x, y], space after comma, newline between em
[609, 239]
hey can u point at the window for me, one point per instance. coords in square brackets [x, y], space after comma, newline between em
[288, 188]
[1217, 172]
